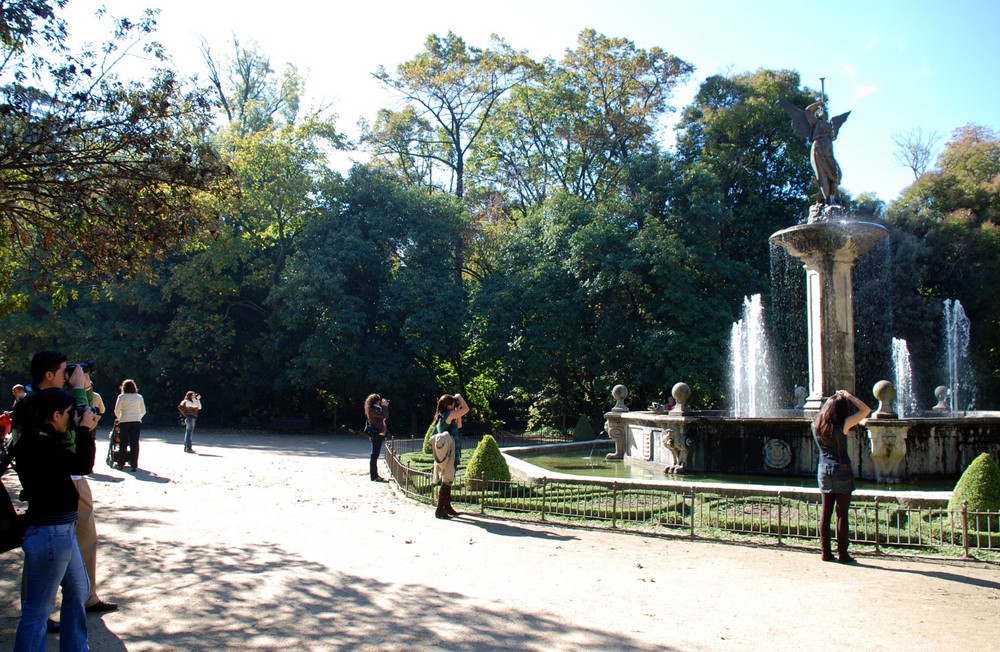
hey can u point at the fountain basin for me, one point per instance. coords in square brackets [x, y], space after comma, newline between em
[883, 450]
[845, 239]
[521, 467]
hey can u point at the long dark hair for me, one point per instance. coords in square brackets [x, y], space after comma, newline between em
[445, 403]
[833, 413]
[31, 411]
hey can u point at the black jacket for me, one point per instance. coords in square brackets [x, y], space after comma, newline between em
[44, 463]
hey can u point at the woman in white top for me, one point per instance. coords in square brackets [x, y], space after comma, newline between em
[129, 410]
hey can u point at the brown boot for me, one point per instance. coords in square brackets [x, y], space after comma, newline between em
[827, 552]
[842, 555]
[446, 489]
[440, 512]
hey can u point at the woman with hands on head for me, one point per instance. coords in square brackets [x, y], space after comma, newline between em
[833, 473]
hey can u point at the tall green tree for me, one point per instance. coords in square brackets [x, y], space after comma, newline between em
[370, 300]
[946, 245]
[575, 125]
[736, 132]
[453, 87]
[98, 175]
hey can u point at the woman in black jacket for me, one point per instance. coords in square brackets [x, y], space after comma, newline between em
[46, 455]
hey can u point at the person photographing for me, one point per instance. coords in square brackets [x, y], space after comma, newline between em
[47, 455]
[190, 408]
[376, 413]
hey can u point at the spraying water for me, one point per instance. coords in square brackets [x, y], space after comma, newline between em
[961, 390]
[906, 400]
[750, 370]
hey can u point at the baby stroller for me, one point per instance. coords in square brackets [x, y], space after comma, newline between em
[114, 445]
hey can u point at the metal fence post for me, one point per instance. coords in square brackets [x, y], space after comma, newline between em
[877, 520]
[779, 518]
[482, 492]
[965, 527]
[614, 503]
[694, 499]
[545, 484]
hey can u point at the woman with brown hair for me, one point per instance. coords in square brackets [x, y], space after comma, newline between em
[129, 410]
[376, 412]
[833, 473]
[447, 422]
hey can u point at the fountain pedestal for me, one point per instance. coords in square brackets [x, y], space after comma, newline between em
[828, 250]
[887, 439]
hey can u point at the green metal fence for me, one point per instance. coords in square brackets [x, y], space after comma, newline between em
[694, 511]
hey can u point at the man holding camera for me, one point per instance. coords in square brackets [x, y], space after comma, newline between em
[49, 369]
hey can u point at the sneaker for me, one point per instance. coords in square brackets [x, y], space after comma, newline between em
[100, 607]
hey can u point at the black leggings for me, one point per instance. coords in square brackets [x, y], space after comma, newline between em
[128, 452]
[842, 503]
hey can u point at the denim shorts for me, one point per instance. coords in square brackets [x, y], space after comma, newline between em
[835, 478]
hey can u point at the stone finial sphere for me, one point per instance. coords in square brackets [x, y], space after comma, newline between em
[941, 394]
[884, 391]
[619, 392]
[681, 393]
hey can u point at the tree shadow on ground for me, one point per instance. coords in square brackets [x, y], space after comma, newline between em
[346, 446]
[262, 597]
[941, 575]
[507, 530]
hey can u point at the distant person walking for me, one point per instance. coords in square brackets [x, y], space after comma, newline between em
[376, 413]
[833, 473]
[129, 410]
[190, 408]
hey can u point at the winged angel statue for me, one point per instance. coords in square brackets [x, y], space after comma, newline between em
[812, 124]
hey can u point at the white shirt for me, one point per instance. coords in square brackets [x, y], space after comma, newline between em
[129, 408]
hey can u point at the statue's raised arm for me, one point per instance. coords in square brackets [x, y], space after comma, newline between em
[812, 124]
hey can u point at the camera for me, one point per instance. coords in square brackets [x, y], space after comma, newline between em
[82, 409]
[88, 367]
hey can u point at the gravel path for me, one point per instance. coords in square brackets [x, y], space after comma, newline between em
[280, 542]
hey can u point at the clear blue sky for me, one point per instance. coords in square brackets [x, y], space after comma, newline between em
[896, 65]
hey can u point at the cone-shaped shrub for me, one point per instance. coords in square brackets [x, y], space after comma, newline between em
[487, 463]
[980, 485]
[431, 429]
[583, 431]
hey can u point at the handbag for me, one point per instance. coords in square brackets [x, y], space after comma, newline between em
[12, 524]
[372, 431]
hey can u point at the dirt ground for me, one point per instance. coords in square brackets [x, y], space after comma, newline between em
[280, 542]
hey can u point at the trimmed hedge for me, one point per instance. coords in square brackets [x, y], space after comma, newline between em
[979, 485]
[487, 463]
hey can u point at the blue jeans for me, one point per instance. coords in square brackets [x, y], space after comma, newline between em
[373, 460]
[188, 431]
[52, 559]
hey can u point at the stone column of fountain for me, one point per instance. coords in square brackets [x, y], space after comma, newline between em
[828, 250]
